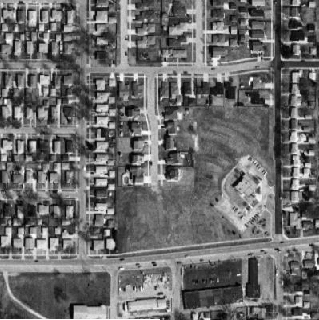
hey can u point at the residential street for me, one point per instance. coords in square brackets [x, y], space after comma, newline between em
[173, 260]
[195, 69]
[123, 28]
[81, 131]
[113, 292]
[172, 257]
[82, 191]
[277, 124]
[32, 131]
[153, 120]
[199, 33]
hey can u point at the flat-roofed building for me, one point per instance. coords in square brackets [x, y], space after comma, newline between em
[89, 312]
[145, 305]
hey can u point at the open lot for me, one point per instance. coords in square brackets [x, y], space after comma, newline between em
[267, 277]
[245, 193]
[182, 214]
[225, 138]
[52, 294]
[8, 309]
[174, 217]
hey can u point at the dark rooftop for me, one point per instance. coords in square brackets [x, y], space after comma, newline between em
[211, 297]
[252, 287]
[220, 274]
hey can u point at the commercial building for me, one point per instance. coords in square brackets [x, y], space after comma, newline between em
[252, 286]
[151, 304]
[210, 284]
[89, 312]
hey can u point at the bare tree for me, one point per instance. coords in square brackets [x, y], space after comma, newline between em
[45, 130]
[29, 196]
[84, 233]
[15, 123]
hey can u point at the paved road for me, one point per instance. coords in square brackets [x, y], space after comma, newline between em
[172, 256]
[82, 190]
[29, 130]
[185, 256]
[123, 28]
[300, 64]
[253, 66]
[277, 141]
[199, 33]
[38, 2]
[183, 69]
[278, 280]
[177, 285]
[153, 121]
[113, 293]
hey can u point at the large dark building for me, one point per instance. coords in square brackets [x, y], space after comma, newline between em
[206, 285]
[207, 298]
[252, 286]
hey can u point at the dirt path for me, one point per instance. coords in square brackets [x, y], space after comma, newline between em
[21, 304]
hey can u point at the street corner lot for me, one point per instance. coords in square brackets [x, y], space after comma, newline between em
[267, 278]
[145, 283]
[51, 294]
[174, 216]
[182, 213]
[213, 283]
[223, 138]
[245, 195]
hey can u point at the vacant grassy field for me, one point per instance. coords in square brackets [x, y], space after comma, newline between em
[181, 214]
[175, 217]
[52, 294]
[223, 139]
[8, 308]
[267, 276]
